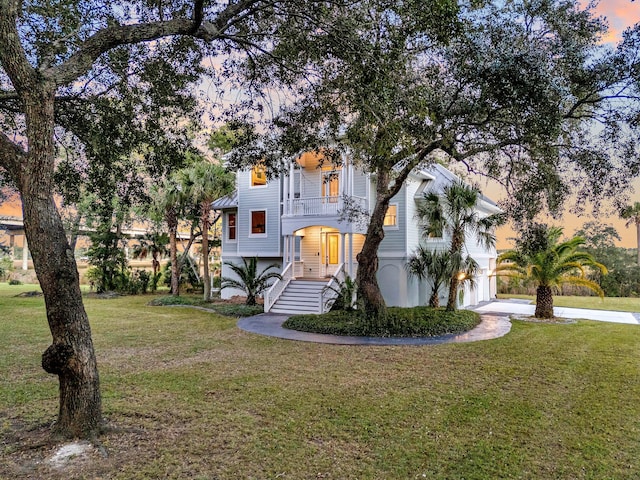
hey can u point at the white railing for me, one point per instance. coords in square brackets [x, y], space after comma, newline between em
[298, 270]
[278, 287]
[320, 206]
[330, 291]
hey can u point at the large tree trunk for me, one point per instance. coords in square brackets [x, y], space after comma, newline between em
[544, 302]
[368, 288]
[71, 355]
[206, 280]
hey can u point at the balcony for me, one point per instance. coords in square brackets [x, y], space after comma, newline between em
[322, 206]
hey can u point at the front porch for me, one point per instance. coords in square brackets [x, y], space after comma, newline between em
[315, 259]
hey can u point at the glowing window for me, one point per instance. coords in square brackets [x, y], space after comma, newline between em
[231, 226]
[258, 222]
[391, 217]
[258, 176]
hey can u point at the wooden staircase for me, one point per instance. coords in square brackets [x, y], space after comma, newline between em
[300, 296]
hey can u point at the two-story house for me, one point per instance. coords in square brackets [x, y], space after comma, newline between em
[312, 222]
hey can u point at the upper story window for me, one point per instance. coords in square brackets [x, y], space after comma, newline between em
[258, 222]
[331, 185]
[259, 176]
[391, 217]
[231, 227]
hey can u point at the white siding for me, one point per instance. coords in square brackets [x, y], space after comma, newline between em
[359, 184]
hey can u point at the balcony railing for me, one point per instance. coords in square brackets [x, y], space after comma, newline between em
[310, 206]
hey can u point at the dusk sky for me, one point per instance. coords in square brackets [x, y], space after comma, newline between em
[620, 14]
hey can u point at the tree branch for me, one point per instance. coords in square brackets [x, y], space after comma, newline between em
[114, 36]
[11, 156]
[12, 56]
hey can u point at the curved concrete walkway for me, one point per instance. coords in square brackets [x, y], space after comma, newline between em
[269, 324]
[525, 307]
[495, 323]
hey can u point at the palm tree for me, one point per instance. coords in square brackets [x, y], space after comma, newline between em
[249, 280]
[154, 244]
[167, 203]
[454, 212]
[205, 182]
[631, 213]
[428, 264]
[550, 263]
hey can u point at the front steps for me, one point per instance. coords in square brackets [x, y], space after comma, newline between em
[300, 296]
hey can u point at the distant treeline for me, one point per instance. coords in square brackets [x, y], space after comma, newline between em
[622, 280]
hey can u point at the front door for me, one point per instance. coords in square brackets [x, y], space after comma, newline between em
[330, 256]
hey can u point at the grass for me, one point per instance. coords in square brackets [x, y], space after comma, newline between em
[595, 303]
[398, 322]
[194, 397]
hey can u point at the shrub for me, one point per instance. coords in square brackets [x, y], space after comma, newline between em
[227, 309]
[6, 267]
[230, 310]
[13, 281]
[171, 300]
[398, 322]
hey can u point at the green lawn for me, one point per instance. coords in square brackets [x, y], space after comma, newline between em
[191, 396]
[596, 303]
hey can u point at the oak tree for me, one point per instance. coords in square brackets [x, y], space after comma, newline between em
[56, 57]
[521, 92]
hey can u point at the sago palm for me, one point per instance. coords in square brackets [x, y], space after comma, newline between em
[249, 280]
[554, 264]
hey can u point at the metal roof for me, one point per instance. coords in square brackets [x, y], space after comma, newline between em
[228, 201]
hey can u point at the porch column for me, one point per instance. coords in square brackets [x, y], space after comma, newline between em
[25, 254]
[351, 255]
[285, 254]
[292, 252]
[345, 177]
[351, 175]
[343, 248]
[291, 187]
[285, 196]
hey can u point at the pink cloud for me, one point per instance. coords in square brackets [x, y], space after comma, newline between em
[619, 13]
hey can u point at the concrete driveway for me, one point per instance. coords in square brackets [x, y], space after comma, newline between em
[523, 307]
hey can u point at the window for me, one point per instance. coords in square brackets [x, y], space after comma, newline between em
[258, 176]
[258, 222]
[331, 186]
[231, 226]
[391, 217]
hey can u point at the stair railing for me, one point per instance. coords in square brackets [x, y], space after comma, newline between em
[278, 287]
[331, 290]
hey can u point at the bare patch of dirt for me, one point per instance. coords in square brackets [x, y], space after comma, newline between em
[31, 452]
